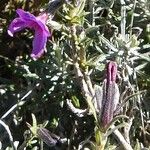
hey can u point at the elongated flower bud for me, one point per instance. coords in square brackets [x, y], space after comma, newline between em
[109, 98]
[110, 95]
[49, 138]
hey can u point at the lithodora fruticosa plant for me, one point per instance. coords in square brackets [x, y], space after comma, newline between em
[73, 26]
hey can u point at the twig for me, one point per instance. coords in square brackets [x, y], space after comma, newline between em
[123, 19]
[9, 134]
[132, 18]
[20, 103]
[71, 136]
[85, 90]
[89, 83]
[127, 129]
[107, 43]
[16, 105]
[85, 82]
[23, 145]
[91, 7]
[121, 139]
[138, 96]
[87, 140]
[128, 98]
[77, 111]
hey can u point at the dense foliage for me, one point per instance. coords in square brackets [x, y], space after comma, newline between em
[54, 94]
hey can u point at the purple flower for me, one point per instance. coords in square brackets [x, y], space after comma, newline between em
[38, 24]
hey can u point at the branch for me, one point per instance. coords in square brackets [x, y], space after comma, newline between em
[9, 134]
[121, 139]
[20, 103]
[77, 111]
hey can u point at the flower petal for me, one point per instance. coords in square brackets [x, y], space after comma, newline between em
[39, 43]
[42, 17]
[16, 25]
[43, 27]
[32, 21]
[25, 15]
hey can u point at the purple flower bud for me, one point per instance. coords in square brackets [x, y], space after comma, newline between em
[49, 138]
[111, 71]
[109, 98]
[38, 24]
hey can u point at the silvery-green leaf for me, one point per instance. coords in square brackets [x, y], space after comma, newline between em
[98, 95]
[55, 25]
